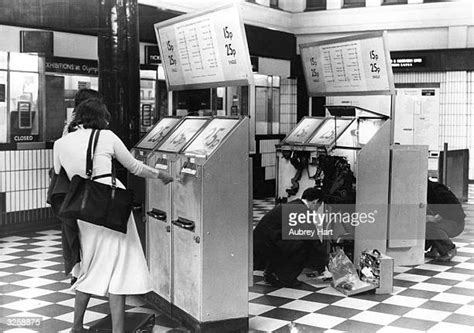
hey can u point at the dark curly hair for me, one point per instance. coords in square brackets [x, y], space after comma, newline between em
[92, 113]
[81, 96]
[85, 93]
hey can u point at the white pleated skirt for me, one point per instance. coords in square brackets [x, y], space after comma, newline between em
[111, 262]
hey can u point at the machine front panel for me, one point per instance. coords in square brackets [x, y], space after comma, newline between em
[186, 226]
[158, 217]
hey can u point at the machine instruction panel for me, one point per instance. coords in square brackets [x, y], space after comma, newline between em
[183, 133]
[157, 133]
[329, 131]
[304, 130]
[357, 64]
[205, 50]
[210, 138]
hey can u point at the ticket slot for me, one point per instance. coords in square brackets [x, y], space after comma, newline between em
[157, 214]
[184, 223]
[189, 168]
[161, 164]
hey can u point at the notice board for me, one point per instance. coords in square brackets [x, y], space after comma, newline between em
[204, 50]
[417, 112]
[358, 65]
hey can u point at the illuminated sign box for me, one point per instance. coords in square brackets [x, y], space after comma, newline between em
[409, 62]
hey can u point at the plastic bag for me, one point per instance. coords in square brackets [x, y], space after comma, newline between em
[344, 272]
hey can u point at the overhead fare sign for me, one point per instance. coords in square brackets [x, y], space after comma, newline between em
[352, 65]
[207, 49]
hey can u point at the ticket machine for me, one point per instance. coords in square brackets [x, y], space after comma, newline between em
[142, 151]
[301, 161]
[322, 153]
[210, 223]
[158, 203]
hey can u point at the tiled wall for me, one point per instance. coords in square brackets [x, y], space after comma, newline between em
[288, 106]
[456, 107]
[288, 112]
[267, 149]
[24, 179]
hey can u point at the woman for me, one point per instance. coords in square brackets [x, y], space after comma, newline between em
[69, 229]
[112, 263]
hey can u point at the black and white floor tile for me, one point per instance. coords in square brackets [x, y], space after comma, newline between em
[433, 297]
[32, 285]
[260, 208]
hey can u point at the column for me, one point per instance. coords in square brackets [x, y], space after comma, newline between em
[119, 71]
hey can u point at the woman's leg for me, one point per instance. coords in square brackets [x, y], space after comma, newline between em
[117, 310]
[80, 306]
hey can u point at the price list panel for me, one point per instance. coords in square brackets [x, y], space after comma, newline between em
[205, 50]
[357, 64]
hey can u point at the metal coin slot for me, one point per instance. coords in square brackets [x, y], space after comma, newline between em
[189, 168]
[161, 163]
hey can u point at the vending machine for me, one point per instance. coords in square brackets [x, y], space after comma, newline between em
[322, 152]
[138, 185]
[210, 223]
[158, 203]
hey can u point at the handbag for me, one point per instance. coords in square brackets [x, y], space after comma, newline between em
[57, 190]
[97, 203]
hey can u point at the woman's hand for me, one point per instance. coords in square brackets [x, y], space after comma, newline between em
[165, 177]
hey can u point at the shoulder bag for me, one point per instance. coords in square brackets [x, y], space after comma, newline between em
[97, 203]
[57, 190]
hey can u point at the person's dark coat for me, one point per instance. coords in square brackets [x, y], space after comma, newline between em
[284, 258]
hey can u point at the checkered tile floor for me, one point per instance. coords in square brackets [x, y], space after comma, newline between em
[433, 297]
[32, 284]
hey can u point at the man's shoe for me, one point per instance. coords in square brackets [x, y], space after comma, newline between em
[274, 281]
[448, 256]
[432, 253]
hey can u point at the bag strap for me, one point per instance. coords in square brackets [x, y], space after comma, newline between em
[93, 139]
[88, 155]
[113, 175]
[101, 176]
